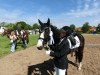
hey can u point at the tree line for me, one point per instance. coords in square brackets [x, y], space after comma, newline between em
[85, 28]
[19, 25]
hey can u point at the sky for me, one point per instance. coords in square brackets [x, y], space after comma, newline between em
[60, 12]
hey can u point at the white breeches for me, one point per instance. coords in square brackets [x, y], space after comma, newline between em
[59, 71]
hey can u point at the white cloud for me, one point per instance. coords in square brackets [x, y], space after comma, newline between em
[74, 16]
[96, 4]
[10, 16]
[84, 13]
[86, 6]
[88, 10]
[18, 15]
[79, 5]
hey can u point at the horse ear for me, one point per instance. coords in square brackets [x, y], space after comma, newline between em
[48, 22]
[40, 22]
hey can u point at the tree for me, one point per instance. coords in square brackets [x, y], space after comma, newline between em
[29, 26]
[72, 26]
[85, 27]
[3, 24]
[35, 26]
[21, 25]
[98, 28]
[9, 26]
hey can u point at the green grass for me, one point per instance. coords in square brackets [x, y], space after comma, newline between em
[5, 44]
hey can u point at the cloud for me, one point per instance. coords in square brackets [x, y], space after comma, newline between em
[89, 9]
[84, 13]
[83, 10]
[10, 16]
[96, 4]
[42, 13]
[7, 15]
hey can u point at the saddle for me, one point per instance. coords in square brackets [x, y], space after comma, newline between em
[74, 41]
[72, 38]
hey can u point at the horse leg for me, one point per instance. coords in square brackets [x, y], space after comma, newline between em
[23, 42]
[80, 51]
[27, 40]
[76, 57]
[80, 57]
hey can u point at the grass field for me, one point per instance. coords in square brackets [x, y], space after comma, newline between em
[5, 44]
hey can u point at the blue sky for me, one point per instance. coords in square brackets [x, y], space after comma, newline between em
[60, 12]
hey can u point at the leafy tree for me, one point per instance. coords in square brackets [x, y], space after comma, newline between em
[85, 27]
[72, 26]
[29, 26]
[35, 26]
[21, 25]
[3, 24]
[98, 28]
[9, 26]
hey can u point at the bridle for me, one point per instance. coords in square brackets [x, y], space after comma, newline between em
[42, 32]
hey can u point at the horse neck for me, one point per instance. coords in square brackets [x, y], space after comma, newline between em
[56, 34]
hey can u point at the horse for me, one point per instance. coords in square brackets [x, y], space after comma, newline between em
[24, 38]
[50, 35]
[7, 32]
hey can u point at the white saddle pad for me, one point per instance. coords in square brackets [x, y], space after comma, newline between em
[77, 43]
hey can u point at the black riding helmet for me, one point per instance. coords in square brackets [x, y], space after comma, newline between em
[62, 30]
[63, 33]
[67, 29]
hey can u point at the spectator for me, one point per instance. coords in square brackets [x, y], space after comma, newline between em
[13, 39]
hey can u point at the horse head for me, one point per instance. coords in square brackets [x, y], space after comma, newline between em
[45, 34]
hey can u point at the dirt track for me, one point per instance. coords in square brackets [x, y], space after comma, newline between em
[34, 62]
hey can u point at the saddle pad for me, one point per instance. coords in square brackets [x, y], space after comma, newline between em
[77, 43]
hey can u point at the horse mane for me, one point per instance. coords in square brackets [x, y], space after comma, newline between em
[55, 29]
[56, 34]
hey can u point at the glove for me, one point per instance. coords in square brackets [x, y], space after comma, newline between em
[48, 52]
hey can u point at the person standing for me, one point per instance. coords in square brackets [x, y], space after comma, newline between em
[13, 39]
[23, 37]
[60, 53]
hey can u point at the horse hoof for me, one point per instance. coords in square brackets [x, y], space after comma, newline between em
[79, 69]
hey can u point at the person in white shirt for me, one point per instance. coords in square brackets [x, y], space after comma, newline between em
[13, 41]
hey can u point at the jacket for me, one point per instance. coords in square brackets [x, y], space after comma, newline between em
[60, 53]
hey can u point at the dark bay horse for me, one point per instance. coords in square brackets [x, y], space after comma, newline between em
[50, 35]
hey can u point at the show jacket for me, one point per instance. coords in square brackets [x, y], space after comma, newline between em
[60, 54]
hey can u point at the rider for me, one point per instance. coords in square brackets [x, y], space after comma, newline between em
[60, 53]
